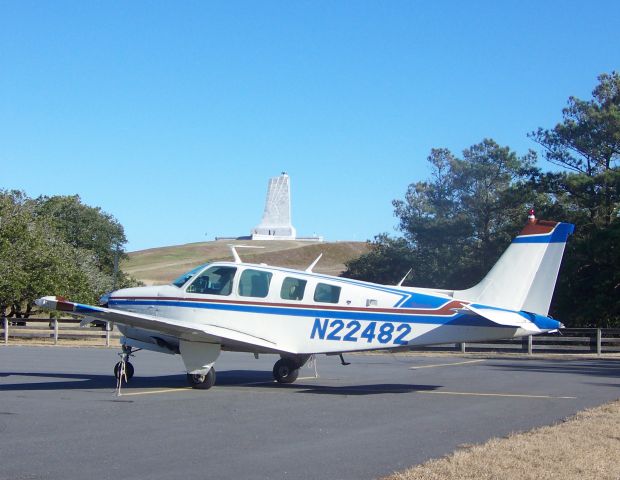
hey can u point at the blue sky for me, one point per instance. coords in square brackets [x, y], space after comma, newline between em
[172, 116]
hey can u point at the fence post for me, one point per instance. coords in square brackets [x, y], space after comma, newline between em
[462, 347]
[529, 344]
[5, 321]
[55, 331]
[107, 334]
[598, 341]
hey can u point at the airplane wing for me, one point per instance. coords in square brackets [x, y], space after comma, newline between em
[504, 317]
[178, 328]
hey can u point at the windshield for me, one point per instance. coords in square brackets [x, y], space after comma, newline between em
[182, 280]
[216, 280]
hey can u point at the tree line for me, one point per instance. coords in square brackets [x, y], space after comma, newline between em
[56, 246]
[457, 223]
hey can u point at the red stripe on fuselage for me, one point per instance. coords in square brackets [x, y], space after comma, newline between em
[446, 309]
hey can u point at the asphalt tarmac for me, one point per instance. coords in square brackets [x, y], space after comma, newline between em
[61, 419]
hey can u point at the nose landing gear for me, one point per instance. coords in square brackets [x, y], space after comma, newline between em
[124, 370]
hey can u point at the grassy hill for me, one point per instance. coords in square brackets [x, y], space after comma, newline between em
[158, 266]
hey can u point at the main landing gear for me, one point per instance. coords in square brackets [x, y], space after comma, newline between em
[202, 381]
[199, 359]
[286, 370]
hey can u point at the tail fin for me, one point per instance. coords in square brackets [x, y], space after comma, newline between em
[524, 276]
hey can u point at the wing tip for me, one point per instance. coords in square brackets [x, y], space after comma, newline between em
[55, 303]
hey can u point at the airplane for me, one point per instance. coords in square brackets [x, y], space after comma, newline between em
[261, 309]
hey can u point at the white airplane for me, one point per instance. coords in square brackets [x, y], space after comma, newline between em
[262, 309]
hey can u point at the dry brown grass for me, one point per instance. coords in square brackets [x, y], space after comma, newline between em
[161, 265]
[334, 256]
[586, 446]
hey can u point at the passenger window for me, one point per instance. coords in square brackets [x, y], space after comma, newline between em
[293, 289]
[326, 293]
[254, 283]
[214, 281]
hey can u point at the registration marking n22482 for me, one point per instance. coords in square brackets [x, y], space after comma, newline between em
[353, 331]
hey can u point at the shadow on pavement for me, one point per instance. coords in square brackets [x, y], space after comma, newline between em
[608, 368]
[375, 389]
[233, 378]
[68, 381]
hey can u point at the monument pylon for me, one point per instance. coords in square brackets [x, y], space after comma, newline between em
[276, 223]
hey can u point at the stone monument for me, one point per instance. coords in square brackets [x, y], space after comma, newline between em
[276, 222]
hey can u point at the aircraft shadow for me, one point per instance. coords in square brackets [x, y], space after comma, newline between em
[258, 379]
[69, 381]
[608, 368]
[596, 384]
[372, 389]
[249, 379]
[239, 377]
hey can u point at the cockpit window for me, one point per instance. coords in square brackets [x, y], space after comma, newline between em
[214, 281]
[183, 279]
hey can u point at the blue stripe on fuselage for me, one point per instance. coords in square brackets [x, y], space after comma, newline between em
[455, 319]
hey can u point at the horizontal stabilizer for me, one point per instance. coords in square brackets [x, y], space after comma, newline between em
[504, 317]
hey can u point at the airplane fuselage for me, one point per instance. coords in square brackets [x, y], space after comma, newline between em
[302, 312]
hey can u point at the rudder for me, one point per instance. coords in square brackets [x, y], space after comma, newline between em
[524, 277]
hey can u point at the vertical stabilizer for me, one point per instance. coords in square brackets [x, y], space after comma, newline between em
[524, 277]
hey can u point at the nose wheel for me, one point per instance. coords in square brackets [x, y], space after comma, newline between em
[125, 371]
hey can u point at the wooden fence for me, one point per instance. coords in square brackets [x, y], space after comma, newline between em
[50, 330]
[571, 340]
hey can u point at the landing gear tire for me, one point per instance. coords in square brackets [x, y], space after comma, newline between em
[128, 370]
[285, 371]
[202, 382]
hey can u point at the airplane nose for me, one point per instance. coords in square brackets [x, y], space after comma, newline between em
[104, 299]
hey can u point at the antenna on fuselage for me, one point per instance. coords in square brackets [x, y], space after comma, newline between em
[313, 264]
[400, 284]
[233, 249]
